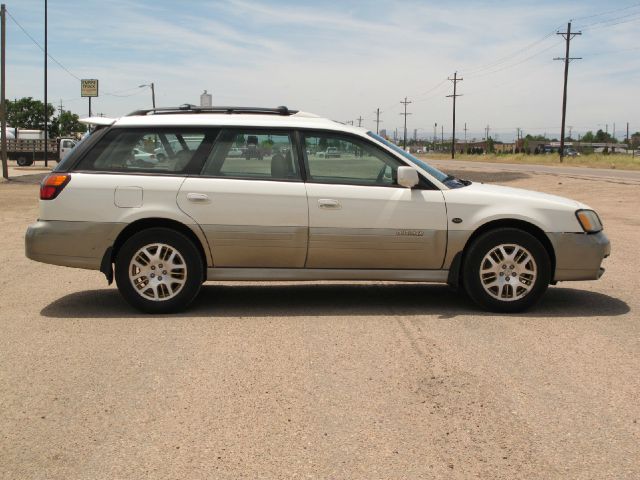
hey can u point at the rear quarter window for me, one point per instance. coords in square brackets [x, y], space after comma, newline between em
[149, 150]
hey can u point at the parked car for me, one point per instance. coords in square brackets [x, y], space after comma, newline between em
[571, 152]
[330, 152]
[378, 213]
[235, 152]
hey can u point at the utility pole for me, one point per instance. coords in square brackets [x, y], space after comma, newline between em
[3, 105]
[153, 94]
[415, 134]
[486, 138]
[568, 36]
[614, 130]
[61, 108]
[627, 139]
[435, 134]
[46, 116]
[455, 81]
[359, 121]
[377, 121]
[442, 135]
[570, 131]
[405, 103]
[465, 133]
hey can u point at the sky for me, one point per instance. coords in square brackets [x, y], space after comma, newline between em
[342, 59]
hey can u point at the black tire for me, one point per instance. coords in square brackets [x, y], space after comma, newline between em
[191, 259]
[24, 161]
[536, 286]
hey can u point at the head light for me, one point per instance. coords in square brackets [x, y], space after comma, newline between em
[589, 221]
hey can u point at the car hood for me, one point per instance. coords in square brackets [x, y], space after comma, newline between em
[478, 203]
[507, 193]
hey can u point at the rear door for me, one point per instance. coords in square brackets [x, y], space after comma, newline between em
[250, 200]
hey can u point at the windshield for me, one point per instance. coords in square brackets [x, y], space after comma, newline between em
[434, 172]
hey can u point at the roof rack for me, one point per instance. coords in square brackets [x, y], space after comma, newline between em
[188, 108]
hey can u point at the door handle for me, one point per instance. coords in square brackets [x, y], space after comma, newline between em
[198, 197]
[329, 204]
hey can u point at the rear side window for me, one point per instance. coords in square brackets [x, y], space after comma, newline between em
[253, 154]
[162, 150]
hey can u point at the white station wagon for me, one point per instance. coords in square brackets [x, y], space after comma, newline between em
[286, 210]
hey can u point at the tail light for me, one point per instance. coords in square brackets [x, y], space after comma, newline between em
[53, 184]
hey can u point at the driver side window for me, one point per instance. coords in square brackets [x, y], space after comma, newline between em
[334, 158]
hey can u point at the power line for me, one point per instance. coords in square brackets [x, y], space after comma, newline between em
[475, 70]
[506, 67]
[608, 12]
[42, 48]
[612, 22]
[111, 94]
[435, 87]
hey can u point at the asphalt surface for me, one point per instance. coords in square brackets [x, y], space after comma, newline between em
[324, 379]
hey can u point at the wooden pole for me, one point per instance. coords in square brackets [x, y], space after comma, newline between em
[3, 105]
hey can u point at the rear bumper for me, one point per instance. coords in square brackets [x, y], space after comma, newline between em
[579, 255]
[70, 244]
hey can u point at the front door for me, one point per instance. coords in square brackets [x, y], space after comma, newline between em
[359, 217]
[250, 200]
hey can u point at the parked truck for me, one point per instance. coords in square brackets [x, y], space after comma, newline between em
[27, 146]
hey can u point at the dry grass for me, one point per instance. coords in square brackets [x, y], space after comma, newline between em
[596, 160]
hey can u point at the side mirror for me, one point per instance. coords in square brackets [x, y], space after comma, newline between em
[407, 177]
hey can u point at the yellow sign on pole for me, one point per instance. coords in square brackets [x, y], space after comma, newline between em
[89, 87]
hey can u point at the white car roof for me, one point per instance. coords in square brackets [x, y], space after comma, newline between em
[297, 120]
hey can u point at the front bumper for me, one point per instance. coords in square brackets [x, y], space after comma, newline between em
[70, 244]
[579, 255]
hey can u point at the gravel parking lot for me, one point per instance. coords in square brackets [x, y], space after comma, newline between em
[325, 379]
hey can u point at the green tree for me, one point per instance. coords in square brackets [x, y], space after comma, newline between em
[69, 123]
[537, 138]
[603, 137]
[29, 114]
[588, 137]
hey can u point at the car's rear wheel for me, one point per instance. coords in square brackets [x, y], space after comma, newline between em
[159, 270]
[506, 270]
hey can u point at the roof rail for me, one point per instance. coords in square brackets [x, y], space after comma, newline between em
[188, 108]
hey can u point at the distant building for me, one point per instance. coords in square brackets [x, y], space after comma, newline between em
[206, 99]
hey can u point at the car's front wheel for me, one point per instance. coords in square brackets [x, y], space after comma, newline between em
[506, 270]
[159, 270]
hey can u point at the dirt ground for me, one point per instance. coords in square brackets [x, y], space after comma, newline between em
[322, 380]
